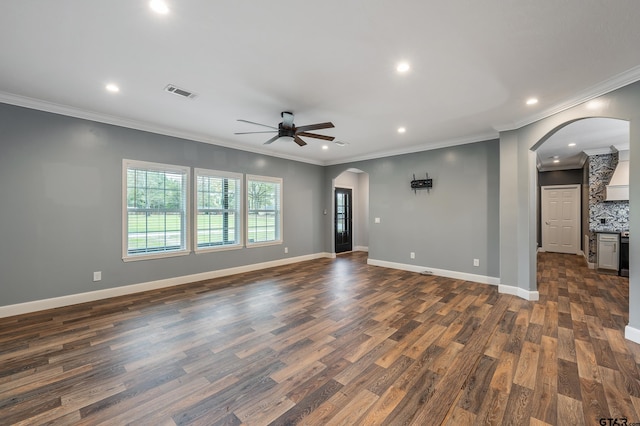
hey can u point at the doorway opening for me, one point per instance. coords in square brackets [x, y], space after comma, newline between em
[350, 199]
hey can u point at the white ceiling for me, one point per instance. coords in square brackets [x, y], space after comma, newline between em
[473, 65]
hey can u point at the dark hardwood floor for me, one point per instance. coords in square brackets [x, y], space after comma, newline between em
[330, 341]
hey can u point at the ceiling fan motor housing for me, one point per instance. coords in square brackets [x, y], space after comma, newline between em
[286, 131]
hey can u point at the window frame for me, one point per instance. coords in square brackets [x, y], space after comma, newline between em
[239, 212]
[279, 212]
[185, 211]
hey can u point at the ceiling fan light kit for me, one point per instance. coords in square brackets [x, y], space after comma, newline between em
[287, 128]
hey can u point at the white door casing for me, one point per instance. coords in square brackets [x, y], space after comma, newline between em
[561, 218]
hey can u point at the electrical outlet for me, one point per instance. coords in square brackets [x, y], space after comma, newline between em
[97, 276]
[476, 262]
[412, 255]
[286, 250]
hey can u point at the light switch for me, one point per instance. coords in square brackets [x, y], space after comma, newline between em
[376, 220]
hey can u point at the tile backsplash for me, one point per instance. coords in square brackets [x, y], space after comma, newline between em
[614, 214]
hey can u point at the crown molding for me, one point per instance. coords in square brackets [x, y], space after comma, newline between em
[40, 105]
[621, 147]
[598, 151]
[576, 165]
[623, 79]
[417, 148]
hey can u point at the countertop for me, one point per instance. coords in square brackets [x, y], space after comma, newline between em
[608, 231]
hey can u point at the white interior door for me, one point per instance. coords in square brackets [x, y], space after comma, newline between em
[561, 218]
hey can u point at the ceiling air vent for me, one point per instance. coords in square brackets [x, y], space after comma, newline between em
[180, 92]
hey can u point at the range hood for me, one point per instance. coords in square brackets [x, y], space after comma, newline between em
[618, 188]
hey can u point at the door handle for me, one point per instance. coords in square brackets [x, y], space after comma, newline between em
[614, 247]
[547, 223]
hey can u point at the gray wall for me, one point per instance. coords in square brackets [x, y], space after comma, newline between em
[363, 215]
[560, 177]
[447, 227]
[61, 201]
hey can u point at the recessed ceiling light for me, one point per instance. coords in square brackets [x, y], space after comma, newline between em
[339, 143]
[532, 101]
[159, 6]
[572, 144]
[556, 161]
[112, 88]
[401, 130]
[403, 67]
[325, 147]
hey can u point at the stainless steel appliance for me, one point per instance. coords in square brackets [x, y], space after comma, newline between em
[624, 254]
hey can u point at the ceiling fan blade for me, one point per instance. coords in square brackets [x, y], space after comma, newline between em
[318, 126]
[249, 133]
[315, 135]
[257, 124]
[299, 141]
[273, 139]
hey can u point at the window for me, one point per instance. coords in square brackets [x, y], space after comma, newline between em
[155, 219]
[264, 215]
[218, 203]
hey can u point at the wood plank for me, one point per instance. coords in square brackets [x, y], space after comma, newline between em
[594, 400]
[570, 412]
[545, 395]
[527, 368]
[587, 363]
[503, 377]
[618, 400]
[566, 345]
[382, 407]
[518, 409]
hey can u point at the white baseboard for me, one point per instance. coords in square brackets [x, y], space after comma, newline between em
[73, 299]
[361, 248]
[483, 279]
[631, 333]
[591, 265]
[520, 292]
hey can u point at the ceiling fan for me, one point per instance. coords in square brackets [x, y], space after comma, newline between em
[287, 129]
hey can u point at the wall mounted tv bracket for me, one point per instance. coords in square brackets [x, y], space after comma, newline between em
[421, 183]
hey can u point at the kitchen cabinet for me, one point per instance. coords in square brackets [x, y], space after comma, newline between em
[608, 251]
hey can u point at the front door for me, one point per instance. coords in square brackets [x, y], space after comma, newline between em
[561, 218]
[343, 221]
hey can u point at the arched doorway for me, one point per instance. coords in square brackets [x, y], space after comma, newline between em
[350, 209]
[526, 136]
[585, 153]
